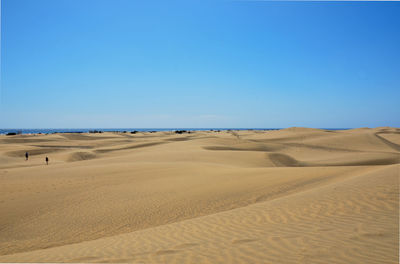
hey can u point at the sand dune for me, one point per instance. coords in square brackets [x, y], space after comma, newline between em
[296, 195]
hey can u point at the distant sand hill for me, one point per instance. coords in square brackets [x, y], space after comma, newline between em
[296, 195]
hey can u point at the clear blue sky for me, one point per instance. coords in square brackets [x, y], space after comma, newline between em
[131, 63]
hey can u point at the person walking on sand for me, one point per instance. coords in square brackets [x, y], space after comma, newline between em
[47, 160]
[26, 155]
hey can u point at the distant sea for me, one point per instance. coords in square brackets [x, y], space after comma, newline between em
[86, 130]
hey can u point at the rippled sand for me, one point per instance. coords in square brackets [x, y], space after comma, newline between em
[296, 195]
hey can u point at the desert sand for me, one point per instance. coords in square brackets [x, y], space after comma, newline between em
[295, 195]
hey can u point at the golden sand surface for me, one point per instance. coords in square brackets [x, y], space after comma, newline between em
[296, 195]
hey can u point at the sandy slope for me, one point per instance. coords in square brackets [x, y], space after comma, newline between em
[291, 196]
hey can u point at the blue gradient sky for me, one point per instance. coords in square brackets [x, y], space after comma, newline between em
[128, 63]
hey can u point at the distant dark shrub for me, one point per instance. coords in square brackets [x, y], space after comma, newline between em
[11, 134]
[134, 132]
[95, 131]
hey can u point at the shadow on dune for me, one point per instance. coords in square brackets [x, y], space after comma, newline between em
[388, 142]
[283, 160]
[83, 137]
[130, 147]
[62, 146]
[179, 139]
[79, 156]
[244, 147]
[360, 162]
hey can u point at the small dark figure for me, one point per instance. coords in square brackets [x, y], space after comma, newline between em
[47, 160]
[26, 155]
